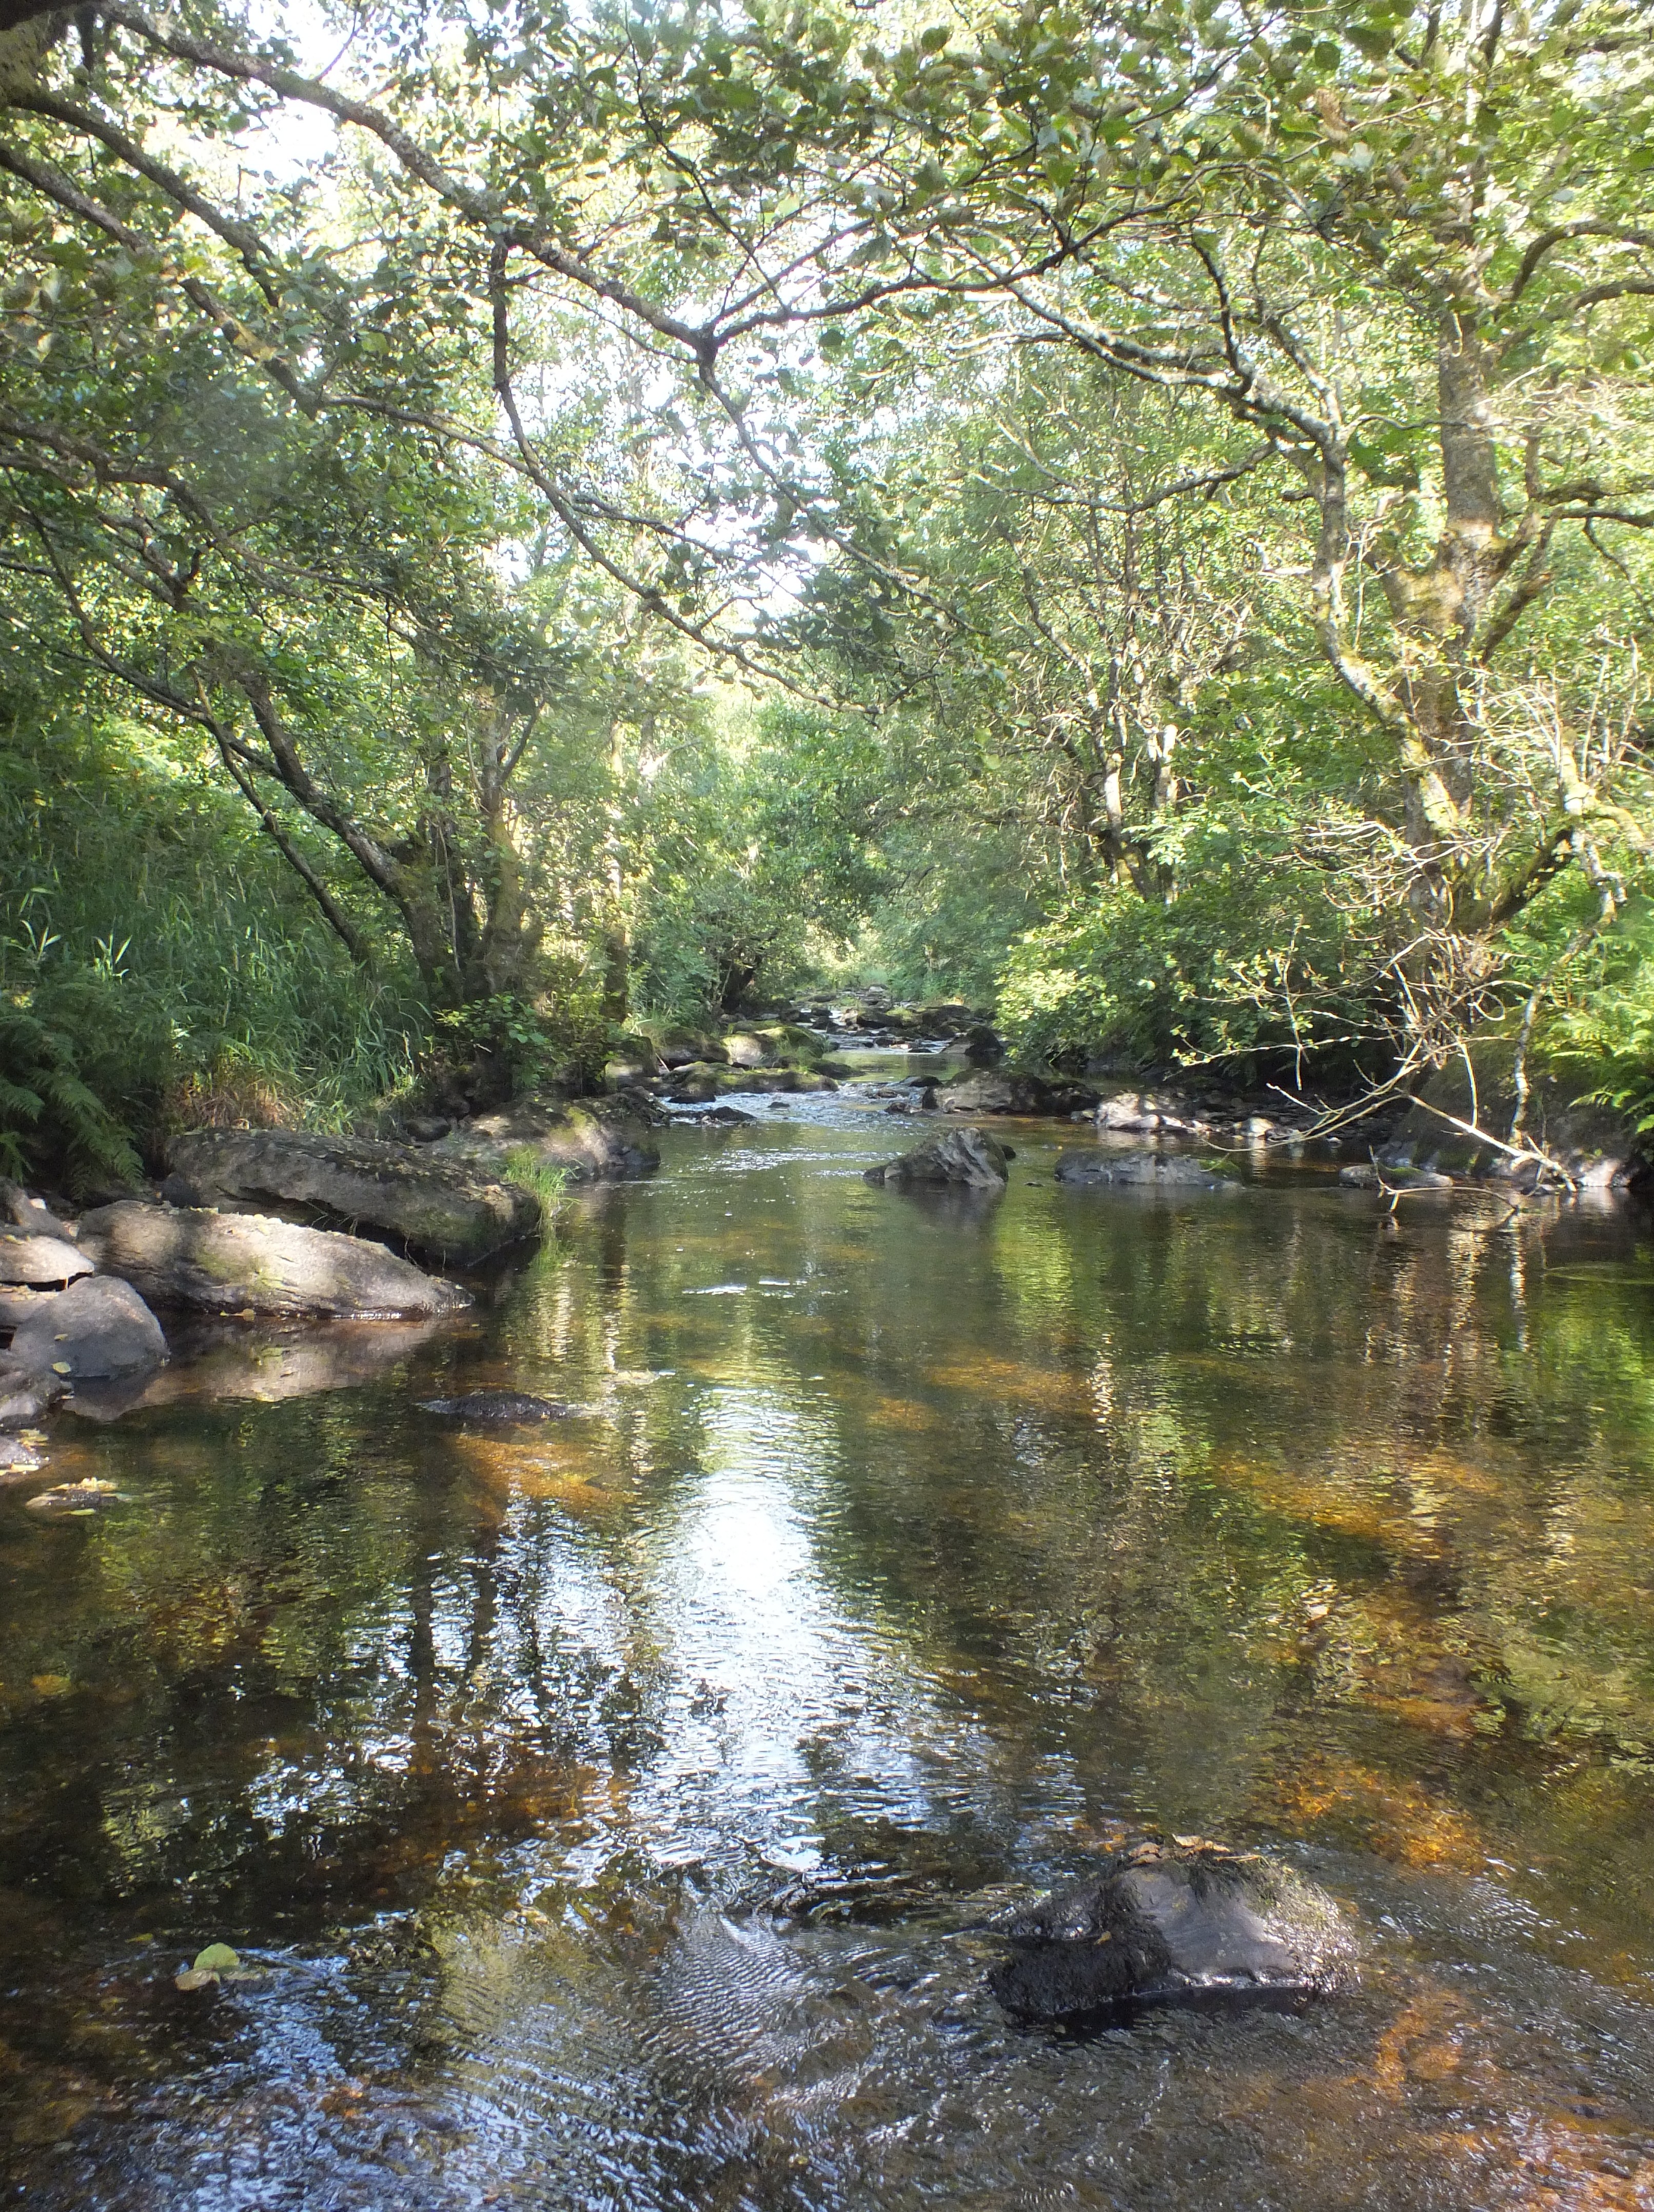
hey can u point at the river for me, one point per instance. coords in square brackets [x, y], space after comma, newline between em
[614, 1814]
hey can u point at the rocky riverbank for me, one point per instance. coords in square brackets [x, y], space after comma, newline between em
[252, 1229]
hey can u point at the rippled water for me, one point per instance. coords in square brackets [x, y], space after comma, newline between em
[616, 1811]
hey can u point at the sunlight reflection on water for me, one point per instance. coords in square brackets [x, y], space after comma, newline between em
[616, 1815]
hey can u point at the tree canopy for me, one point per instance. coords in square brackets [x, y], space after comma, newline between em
[1139, 510]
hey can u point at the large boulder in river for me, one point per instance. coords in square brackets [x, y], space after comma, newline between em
[442, 1207]
[633, 1059]
[997, 1091]
[30, 1259]
[593, 1139]
[967, 1158]
[247, 1263]
[1170, 1923]
[95, 1330]
[1152, 1170]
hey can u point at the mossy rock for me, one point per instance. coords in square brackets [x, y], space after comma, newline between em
[680, 1047]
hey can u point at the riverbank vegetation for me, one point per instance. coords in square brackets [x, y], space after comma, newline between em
[516, 524]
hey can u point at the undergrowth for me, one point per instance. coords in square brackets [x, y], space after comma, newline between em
[160, 965]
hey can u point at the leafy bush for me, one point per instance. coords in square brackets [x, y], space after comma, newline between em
[1250, 961]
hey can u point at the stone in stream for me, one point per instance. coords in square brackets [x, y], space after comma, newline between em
[27, 1390]
[96, 1329]
[1152, 1171]
[1000, 1093]
[498, 1406]
[1185, 1923]
[81, 1497]
[1363, 1175]
[34, 1260]
[964, 1158]
[453, 1209]
[245, 1263]
[17, 1458]
[594, 1140]
[1141, 1114]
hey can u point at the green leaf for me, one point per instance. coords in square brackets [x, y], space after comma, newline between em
[216, 1959]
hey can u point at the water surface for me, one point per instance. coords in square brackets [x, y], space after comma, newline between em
[616, 1812]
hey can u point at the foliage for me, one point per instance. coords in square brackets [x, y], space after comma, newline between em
[1252, 962]
[152, 931]
[1603, 1026]
[525, 1168]
[47, 1112]
[766, 854]
[1179, 482]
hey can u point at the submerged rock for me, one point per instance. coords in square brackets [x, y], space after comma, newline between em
[247, 1263]
[98, 1329]
[443, 1207]
[1151, 1169]
[967, 1158]
[214, 1356]
[498, 1406]
[18, 1457]
[1174, 1924]
[30, 1259]
[87, 1497]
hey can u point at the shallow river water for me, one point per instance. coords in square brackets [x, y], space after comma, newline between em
[614, 1814]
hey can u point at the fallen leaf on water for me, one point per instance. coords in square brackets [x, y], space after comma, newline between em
[189, 1978]
[60, 1367]
[216, 1959]
[51, 1685]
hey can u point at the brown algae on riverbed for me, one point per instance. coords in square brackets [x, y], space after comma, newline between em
[959, 1547]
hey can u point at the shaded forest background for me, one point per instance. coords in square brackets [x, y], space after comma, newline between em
[518, 525]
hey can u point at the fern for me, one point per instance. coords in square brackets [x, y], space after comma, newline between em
[49, 1117]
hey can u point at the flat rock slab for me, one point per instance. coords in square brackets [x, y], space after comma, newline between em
[99, 1328]
[26, 1257]
[968, 1158]
[1149, 1170]
[503, 1405]
[453, 1209]
[593, 1139]
[248, 1263]
[1174, 1923]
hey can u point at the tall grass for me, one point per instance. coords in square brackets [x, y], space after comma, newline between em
[179, 970]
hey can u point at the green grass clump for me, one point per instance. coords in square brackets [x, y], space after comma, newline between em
[526, 1168]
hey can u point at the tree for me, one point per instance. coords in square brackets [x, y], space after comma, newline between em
[1407, 253]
